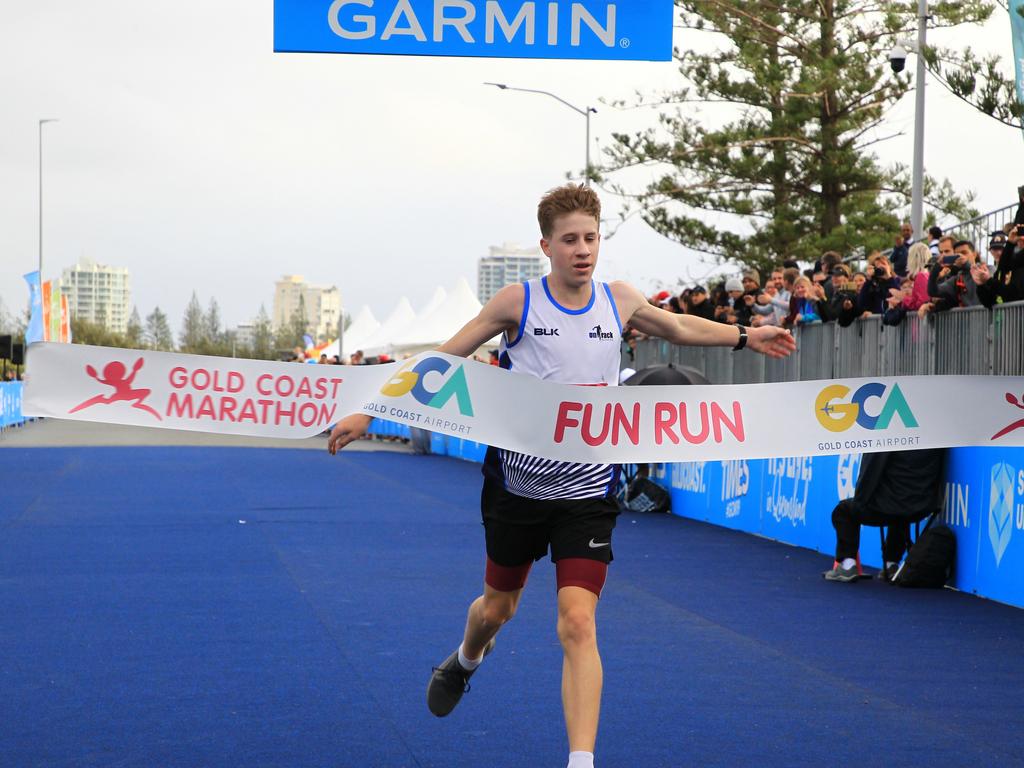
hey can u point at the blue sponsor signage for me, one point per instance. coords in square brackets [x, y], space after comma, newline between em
[10, 403]
[527, 29]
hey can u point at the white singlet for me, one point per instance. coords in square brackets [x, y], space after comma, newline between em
[568, 346]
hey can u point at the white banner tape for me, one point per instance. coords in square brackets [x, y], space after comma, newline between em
[480, 402]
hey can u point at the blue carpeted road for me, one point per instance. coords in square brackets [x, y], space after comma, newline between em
[242, 607]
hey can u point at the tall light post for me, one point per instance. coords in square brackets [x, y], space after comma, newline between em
[898, 58]
[585, 112]
[41, 122]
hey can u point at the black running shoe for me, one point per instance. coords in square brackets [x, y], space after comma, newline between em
[449, 682]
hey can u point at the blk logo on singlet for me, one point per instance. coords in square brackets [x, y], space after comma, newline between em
[545, 331]
[597, 333]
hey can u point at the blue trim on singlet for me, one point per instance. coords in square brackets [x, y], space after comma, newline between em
[614, 481]
[522, 320]
[593, 293]
[615, 310]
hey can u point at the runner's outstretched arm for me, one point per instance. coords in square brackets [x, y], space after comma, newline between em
[502, 313]
[695, 331]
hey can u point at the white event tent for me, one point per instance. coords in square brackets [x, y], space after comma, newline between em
[357, 332]
[433, 327]
[381, 340]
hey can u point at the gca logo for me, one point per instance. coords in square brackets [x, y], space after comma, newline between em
[839, 416]
[415, 380]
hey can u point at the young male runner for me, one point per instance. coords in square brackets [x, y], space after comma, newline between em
[564, 328]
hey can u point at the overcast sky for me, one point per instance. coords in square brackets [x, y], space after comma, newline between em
[190, 153]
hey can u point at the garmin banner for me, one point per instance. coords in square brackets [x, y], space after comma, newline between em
[1016, 8]
[466, 399]
[592, 29]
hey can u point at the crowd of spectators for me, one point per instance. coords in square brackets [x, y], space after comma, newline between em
[936, 274]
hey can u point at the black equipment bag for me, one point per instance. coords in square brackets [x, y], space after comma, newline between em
[930, 560]
[644, 495]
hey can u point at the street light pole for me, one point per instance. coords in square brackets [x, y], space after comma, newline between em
[585, 112]
[44, 120]
[917, 184]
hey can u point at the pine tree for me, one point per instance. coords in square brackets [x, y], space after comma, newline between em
[158, 331]
[216, 341]
[134, 336]
[192, 338]
[263, 337]
[792, 173]
[979, 81]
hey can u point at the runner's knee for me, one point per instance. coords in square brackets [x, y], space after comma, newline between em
[499, 607]
[576, 625]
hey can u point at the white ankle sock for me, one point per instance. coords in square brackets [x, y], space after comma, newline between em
[468, 664]
[848, 562]
[581, 760]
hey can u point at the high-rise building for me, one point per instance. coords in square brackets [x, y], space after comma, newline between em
[99, 294]
[321, 304]
[506, 265]
[245, 335]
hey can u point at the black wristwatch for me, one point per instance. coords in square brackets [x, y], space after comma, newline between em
[743, 339]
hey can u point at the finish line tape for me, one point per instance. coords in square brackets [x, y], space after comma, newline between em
[463, 398]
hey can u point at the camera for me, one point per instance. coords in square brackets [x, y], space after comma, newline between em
[898, 58]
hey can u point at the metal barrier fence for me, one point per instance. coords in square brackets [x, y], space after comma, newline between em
[972, 340]
[977, 230]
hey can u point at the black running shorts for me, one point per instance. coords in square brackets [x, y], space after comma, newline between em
[520, 530]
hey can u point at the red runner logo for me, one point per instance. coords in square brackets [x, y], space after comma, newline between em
[1012, 400]
[115, 375]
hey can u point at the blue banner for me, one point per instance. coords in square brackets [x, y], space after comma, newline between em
[637, 30]
[1017, 30]
[10, 403]
[34, 332]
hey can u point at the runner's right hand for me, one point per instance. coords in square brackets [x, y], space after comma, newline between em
[348, 429]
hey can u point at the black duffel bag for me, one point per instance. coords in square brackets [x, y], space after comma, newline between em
[930, 560]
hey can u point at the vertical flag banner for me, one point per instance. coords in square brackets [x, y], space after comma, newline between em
[55, 312]
[1017, 30]
[47, 303]
[65, 319]
[34, 332]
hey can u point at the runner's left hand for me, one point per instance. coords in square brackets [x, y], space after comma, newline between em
[771, 341]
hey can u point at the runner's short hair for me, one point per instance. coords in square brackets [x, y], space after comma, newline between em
[561, 201]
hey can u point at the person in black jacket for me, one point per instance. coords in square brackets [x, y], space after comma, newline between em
[894, 489]
[873, 296]
[1007, 283]
[697, 303]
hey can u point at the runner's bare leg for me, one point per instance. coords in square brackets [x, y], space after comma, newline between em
[486, 616]
[582, 675]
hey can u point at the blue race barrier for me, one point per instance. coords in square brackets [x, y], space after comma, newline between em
[382, 428]
[792, 499]
[10, 404]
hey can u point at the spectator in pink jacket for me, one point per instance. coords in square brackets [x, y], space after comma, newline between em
[917, 270]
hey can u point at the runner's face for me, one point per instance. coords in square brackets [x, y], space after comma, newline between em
[573, 248]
